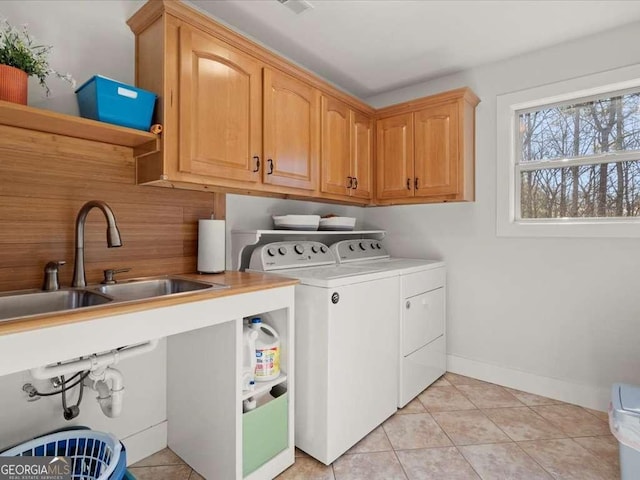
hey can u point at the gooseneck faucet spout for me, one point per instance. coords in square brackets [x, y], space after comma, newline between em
[113, 237]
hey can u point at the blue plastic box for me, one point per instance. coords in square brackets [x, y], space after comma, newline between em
[101, 98]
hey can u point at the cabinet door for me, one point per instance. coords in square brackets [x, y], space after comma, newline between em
[436, 150]
[336, 174]
[361, 154]
[291, 131]
[395, 156]
[220, 99]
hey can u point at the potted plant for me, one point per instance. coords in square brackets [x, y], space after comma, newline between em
[21, 58]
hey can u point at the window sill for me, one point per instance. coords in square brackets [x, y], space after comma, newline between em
[587, 228]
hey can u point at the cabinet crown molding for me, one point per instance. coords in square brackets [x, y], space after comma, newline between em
[465, 94]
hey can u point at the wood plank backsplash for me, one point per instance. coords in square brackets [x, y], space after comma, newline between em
[44, 181]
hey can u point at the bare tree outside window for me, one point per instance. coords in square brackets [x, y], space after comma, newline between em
[581, 159]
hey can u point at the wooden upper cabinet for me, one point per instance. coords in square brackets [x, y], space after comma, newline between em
[426, 149]
[436, 150]
[347, 150]
[336, 176]
[238, 118]
[291, 131]
[220, 96]
[362, 155]
[394, 149]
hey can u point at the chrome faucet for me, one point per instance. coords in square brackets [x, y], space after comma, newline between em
[113, 238]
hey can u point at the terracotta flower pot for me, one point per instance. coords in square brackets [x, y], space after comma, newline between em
[13, 84]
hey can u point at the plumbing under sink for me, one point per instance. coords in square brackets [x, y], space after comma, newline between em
[154, 287]
[34, 302]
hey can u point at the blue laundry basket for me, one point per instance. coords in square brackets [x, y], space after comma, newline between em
[94, 455]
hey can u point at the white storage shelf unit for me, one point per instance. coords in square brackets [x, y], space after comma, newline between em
[208, 428]
[265, 429]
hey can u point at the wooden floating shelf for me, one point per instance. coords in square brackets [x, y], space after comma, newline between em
[22, 116]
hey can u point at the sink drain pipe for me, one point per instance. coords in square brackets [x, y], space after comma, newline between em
[107, 381]
[109, 397]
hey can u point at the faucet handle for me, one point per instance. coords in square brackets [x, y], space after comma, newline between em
[51, 280]
[109, 275]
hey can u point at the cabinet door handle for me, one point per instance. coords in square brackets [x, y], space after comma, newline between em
[257, 159]
[408, 184]
[355, 183]
[415, 183]
[407, 305]
[350, 180]
[270, 162]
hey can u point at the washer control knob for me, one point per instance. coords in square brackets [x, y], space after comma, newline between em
[314, 249]
[323, 249]
[282, 251]
[271, 252]
[378, 246]
[362, 247]
[352, 247]
[299, 249]
[373, 247]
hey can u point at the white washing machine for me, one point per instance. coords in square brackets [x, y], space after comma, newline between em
[346, 344]
[421, 304]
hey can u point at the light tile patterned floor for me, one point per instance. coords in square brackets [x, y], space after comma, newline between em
[458, 429]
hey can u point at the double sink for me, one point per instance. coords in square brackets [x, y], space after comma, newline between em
[15, 305]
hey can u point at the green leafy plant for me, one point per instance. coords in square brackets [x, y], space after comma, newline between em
[18, 49]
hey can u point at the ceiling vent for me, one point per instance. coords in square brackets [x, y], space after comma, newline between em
[296, 6]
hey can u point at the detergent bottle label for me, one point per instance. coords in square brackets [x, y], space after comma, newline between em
[267, 363]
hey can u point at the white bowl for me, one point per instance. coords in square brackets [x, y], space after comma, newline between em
[296, 222]
[337, 223]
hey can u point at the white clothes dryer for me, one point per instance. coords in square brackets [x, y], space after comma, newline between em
[421, 305]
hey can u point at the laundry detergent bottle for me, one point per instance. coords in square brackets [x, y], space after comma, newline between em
[267, 346]
[249, 336]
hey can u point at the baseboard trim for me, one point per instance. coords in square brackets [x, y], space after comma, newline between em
[584, 395]
[147, 442]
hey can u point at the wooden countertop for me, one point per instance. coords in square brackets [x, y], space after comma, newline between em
[239, 282]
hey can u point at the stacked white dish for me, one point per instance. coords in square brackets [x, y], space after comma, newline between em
[296, 222]
[337, 223]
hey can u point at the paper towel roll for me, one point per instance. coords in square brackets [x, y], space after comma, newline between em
[211, 246]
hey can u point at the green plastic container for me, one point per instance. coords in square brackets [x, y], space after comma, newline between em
[265, 433]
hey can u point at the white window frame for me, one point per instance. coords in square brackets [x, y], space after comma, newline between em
[508, 183]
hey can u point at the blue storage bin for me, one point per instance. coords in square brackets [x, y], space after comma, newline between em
[101, 98]
[94, 455]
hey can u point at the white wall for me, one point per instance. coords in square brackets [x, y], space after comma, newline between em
[88, 38]
[559, 317]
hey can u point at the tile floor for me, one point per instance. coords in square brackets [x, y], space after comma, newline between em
[458, 429]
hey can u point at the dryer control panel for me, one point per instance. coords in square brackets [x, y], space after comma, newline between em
[361, 249]
[279, 255]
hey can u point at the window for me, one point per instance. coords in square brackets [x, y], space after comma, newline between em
[569, 161]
